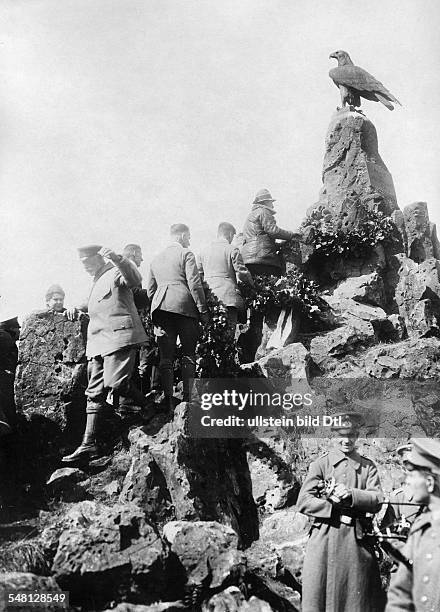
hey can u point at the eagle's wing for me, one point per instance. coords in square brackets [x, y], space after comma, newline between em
[362, 81]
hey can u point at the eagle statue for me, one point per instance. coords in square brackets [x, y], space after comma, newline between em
[355, 83]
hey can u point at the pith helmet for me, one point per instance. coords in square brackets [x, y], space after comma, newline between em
[263, 196]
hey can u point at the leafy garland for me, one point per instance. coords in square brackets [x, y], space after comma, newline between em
[329, 239]
[293, 290]
[216, 355]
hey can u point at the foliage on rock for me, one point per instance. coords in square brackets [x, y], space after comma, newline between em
[293, 290]
[329, 238]
[217, 355]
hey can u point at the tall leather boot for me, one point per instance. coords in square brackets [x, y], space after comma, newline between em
[167, 380]
[88, 448]
[188, 374]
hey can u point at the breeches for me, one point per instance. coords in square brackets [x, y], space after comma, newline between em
[110, 372]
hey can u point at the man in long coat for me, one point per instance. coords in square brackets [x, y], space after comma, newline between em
[415, 586]
[222, 268]
[177, 304]
[114, 332]
[340, 572]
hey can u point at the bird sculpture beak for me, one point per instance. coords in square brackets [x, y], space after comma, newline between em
[332, 56]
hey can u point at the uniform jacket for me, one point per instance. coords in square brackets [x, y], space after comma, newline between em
[174, 283]
[221, 266]
[114, 321]
[259, 234]
[340, 572]
[418, 589]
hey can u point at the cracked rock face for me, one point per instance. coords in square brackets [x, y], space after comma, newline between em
[52, 371]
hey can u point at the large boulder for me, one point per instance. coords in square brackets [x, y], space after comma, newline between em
[355, 181]
[325, 349]
[108, 553]
[206, 550]
[200, 479]
[52, 371]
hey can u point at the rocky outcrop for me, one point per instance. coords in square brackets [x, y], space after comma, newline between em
[52, 372]
[421, 234]
[106, 553]
[202, 479]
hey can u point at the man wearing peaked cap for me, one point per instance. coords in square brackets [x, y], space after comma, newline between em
[340, 569]
[114, 332]
[418, 588]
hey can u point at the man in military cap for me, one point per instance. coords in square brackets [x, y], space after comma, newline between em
[221, 267]
[114, 332]
[340, 570]
[416, 585]
[177, 305]
[259, 252]
[55, 298]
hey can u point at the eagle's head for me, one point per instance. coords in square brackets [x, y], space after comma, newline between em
[342, 57]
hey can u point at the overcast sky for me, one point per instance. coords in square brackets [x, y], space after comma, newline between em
[120, 117]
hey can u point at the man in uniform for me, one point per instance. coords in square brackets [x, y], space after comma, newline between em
[340, 570]
[55, 298]
[222, 268]
[416, 585]
[113, 334]
[177, 304]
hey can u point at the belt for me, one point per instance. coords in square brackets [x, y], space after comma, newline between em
[346, 520]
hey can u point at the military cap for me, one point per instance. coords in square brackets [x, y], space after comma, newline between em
[263, 196]
[89, 250]
[403, 449]
[350, 422]
[425, 453]
[54, 289]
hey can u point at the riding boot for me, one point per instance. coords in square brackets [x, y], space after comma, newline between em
[88, 447]
[188, 375]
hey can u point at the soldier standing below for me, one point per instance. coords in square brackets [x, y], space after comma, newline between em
[113, 334]
[222, 268]
[416, 586]
[259, 253]
[340, 571]
[177, 303]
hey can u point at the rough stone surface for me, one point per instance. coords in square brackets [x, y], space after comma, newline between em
[204, 479]
[21, 581]
[292, 362]
[207, 551]
[367, 289]
[418, 296]
[233, 600]
[105, 553]
[422, 242]
[326, 348]
[52, 372]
